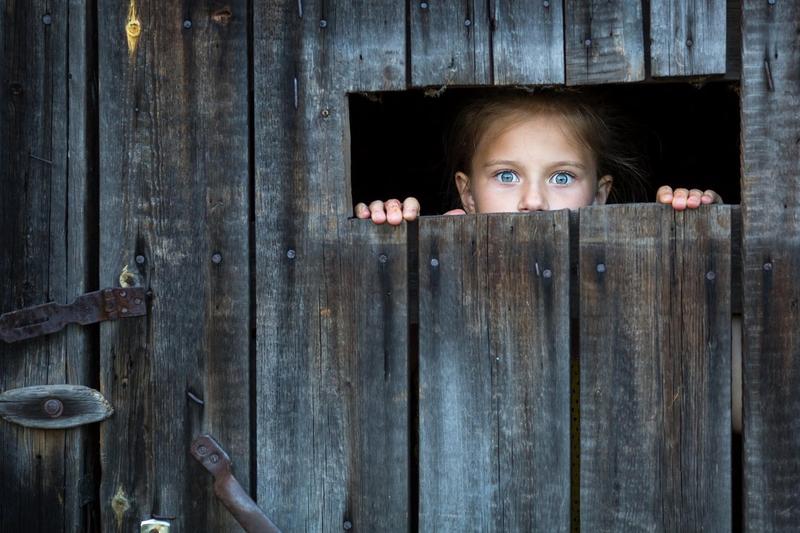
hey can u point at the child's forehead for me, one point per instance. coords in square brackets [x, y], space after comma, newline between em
[510, 121]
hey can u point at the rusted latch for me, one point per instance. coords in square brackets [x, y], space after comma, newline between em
[211, 455]
[89, 308]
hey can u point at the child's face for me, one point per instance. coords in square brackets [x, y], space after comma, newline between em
[530, 164]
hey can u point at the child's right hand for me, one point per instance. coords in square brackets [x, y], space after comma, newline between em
[392, 211]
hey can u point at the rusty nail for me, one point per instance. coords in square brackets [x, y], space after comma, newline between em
[423, 5]
[767, 266]
[547, 273]
[587, 43]
[383, 258]
[214, 458]
[325, 113]
[140, 259]
[601, 267]
[434, 262]
[323, 23]
[47, 19]
[291, 254]
[53, 408]
[467, 23]
[187, 24]
[348, 525]
[216, 258]
[710, 275]
[689, 43]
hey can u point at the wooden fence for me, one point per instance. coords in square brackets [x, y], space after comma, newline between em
[387, 379]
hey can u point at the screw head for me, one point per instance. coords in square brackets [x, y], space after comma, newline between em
[214, 458]
[216, 258]
[187, 24]
[47, 19]
[53, 408]
[202, 450]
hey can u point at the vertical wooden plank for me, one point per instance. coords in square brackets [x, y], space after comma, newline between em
[329, 445]
[47, 219]
[528, 42]
[603, 42]
[687, 37]
[494, 373]
[655, 420]
[174, 213]
[450, 43]
[771, 265]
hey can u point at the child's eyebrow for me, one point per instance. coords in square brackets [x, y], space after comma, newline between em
[575, 164]
[508, 162]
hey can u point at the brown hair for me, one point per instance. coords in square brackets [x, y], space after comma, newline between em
[594, 124]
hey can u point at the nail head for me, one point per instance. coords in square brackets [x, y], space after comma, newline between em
[291, 254]
[547, 273]
[434, 262]
[53, 408]
[137, 301]
[47, 19]
[216, 258]
[202, 450]
[767, 266]
[383, 258]
[711, 275]
[323, 23]
[587, 42]
[187, 24]
[348, 525]
[546, 4]
[423, 5]
[601, 267]
[467, 22]
[325, 113]
[689, 43]
[140, 259]
[214, 458]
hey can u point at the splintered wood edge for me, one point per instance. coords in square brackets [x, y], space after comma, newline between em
[82, 405]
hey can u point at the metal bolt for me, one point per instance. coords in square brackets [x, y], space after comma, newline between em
[767, 266]
[291, 254]
[547, 273]
[53, 408]
[710, 275]
[187, 24]
[137, 301]
[323, 23]
[382, 258]
[423, 5]
[214, 458]
[467, 22]
[325, 113]
[140, 259]
[689, 43]
[47, 19]
[601, 267]
[587, 43]
[202, 450]
[348, 525]
[434, 262]
[216, 258]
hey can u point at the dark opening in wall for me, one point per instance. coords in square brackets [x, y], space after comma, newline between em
[689, 136]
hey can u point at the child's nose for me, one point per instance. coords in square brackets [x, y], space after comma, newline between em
[532, 199]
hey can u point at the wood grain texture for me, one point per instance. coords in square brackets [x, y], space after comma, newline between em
[46, 219]
[174, 194]
[79, 405]
[331, 400]
[450, 43]
[771, 265]
[527, 42]
[603, 41]
[687, 37]
[494, 373]
[655, 419]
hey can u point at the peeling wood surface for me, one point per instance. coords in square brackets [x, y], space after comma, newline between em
[494, 373]
[174, 203]
[655, 327]
[771, 265]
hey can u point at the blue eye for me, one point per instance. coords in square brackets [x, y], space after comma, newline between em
[507, 176]
[561, 178]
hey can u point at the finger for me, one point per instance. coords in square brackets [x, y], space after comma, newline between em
[410, 209]
[711, 197]
[679, 197]
[361, 210]
[664, 194]
[394, 214]
[456, 212]
[695, 199]
[377, 212]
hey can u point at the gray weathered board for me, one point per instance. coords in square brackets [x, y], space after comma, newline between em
[655, 420]
[771, 265]
[174, 197]
[494, 373]
[331, 361]
[47, 216]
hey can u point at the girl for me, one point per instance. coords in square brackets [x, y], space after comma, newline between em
[521, 151]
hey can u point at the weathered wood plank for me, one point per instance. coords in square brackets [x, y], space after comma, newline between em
[771, 259]
[528, 42]
[317, 416]
[46, 219]
[174, 210]
[450, 43]
[603, 42]
[687, 37]
[54, 406]
[494, 373]
[655, 419]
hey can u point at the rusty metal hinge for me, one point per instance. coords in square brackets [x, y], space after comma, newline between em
[89, 308]
[211, 455]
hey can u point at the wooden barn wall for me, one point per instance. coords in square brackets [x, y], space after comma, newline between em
[208, 161]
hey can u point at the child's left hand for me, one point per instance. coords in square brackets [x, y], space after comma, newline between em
[681, 199]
